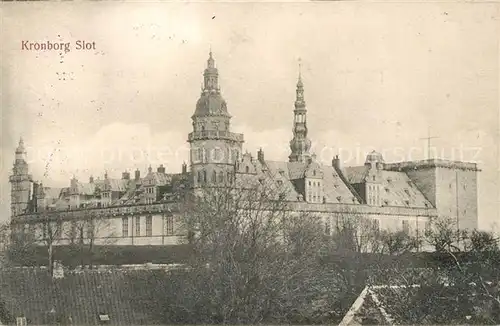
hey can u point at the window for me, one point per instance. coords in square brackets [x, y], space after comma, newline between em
[309, 183]
[406, 226]
[149, 226]
[221, 177]
[138, 226]
[217, 157]
[376, 225]
[204, 176]
[200, 176]
[214, 177]
[169, 225]
[247, 169]
[125, 227]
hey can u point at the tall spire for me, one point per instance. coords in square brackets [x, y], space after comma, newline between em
[211, 75]
[299, 100]
[300, 144]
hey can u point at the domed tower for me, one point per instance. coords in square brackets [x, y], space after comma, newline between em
[300, 144]
[214, 148]
[21, 182]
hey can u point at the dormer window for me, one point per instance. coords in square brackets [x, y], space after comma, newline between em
[387, 190]
[339, 198]
[386, 202]
[407, 192]
[407, 202]
[280, 182]
[389, 179]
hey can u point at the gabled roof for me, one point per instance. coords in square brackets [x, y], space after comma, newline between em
[399, 190]
[52, 192]
[335, 189]
[160, 179]
[79, 295]
[119, 185]
[356, 174]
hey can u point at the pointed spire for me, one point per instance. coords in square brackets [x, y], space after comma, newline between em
[210, 61]
[299, 101]
[299, 83]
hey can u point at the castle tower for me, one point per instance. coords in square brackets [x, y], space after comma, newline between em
[300, 144]
[214, 149]
[21, 182]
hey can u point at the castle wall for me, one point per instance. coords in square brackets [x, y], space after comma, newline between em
[456, 196]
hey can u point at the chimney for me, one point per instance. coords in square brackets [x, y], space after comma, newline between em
[91, 179]
[161, 169]
[126, 175]
[137, 175]
[184, 168]
[260, 155]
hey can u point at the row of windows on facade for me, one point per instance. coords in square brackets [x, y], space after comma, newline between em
[169, 226]
[216, 155]
[216, 176]
[54, 230]
[375, 224]
[202, 125]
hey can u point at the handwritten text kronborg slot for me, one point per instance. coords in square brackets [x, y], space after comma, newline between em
[57, 46]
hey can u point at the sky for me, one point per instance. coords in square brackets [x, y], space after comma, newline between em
[376, 76]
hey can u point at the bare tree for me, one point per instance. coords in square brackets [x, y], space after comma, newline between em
[85, 231]
[253, 259]
[458, 285]
[48, 232]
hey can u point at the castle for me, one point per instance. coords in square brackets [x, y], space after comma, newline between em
[143, 209]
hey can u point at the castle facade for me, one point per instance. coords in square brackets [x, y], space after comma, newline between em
[143, 208]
